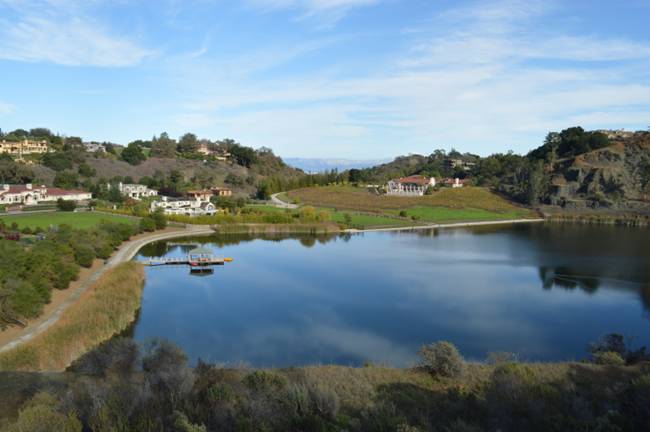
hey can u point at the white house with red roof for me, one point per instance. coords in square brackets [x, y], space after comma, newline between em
[29, 194]
[415, 185]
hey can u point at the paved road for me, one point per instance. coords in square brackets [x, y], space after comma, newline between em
[279, 203]
[125, 253]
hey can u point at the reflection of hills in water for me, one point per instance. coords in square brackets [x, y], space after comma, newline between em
[568, 256]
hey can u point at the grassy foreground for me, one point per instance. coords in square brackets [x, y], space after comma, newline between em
[106, 309]
[79, 220]
[446, 205]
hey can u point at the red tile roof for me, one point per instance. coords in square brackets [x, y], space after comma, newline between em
[415, 179]
[64, 192]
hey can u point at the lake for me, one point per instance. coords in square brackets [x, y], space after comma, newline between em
[543, 291]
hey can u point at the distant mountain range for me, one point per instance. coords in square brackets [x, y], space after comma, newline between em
[314, 165]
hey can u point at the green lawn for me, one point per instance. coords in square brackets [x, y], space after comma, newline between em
[446, 214]
[366, 220]
[77, 220]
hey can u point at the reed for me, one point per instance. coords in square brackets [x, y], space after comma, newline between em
[107, 309]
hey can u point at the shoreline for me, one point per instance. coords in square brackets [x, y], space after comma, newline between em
[448, 225]
[70, 295]
[128, 250]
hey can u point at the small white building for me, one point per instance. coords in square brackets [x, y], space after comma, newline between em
[28, 194]
[454, 182]
[135, 191]
[415, 185]
[184, 206]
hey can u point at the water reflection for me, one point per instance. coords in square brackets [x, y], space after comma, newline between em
[543, 291]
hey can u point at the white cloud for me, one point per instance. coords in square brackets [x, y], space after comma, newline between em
[75, 42]
[6, 108]
[480, 81]
[328, 10]
[61, 32]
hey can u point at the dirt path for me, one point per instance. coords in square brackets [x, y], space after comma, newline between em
[61, 300]
[279, 203]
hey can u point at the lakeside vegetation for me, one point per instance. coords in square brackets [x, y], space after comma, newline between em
[50, 257]
[106, 309]
[124, 386]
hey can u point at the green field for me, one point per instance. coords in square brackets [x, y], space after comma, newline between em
[469, 204]
[76, 220]
[357, 219]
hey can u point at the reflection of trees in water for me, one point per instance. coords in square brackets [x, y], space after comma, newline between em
[162, 248]
[567, 278]
[570, 279]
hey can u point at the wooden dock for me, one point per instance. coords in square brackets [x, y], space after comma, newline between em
[199, 257]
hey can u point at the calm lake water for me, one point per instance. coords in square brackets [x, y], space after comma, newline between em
[542, 291]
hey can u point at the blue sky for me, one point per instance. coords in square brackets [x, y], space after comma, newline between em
[326, 78]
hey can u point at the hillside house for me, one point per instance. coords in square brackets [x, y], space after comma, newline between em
[184, 206]
[205, 150]
[415, 185]
[454, 182]
[135, 191]
[203, 195]
[23, 147]
[28, 194]
[221, 191]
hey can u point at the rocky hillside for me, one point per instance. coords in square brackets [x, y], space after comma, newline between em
[616, 177]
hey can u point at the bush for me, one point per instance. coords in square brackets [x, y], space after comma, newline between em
[84, 256]
[147, 224]
[64, 205]
[611, 358]
[41, 415]
[442, 358]
[500, 358]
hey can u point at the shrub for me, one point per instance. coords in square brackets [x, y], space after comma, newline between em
[147, 224]
[64, 205]
[500, 357]
[41, 415]
[608, 358]
[442, 358]
[84, 255]
[264, 381]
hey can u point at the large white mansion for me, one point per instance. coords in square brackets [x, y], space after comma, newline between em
[28, 194]
[184, 206]
[415, 185]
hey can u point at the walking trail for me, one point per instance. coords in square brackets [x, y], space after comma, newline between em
[15, 336]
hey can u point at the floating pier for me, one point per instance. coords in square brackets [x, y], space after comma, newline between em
[198, 258]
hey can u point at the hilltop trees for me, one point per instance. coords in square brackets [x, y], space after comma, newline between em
[188, 143]
[133, 154]
[163, 146]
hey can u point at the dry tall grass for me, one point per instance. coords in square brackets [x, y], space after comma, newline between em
[108, 308]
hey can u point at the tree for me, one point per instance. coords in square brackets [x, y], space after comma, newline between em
[163, 146]
[66, 180]
[58, 161]
[86, 170]
[188, 143]
[40, 132]
[133, 154]
[354, 175]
